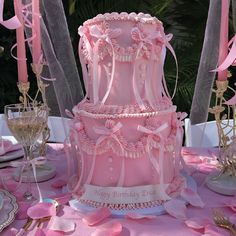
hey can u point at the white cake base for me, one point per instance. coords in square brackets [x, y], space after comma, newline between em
[225, 184]
[158, 210]
[43, 173]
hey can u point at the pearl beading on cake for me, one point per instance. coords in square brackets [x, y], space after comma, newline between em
[116, 112]
[129, 206]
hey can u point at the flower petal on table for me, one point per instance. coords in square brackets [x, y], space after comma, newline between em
[22, 212]
[232, 218]
[7, 146]
[136, 216]
[96, 216]
[176, 208]
[61, 224]
[197, 223]
[59, 183]
[50, 232]
[108, 229]
[231, 203]
[42, 209]
[212, 230]
[192, 197]
[62, 198]
[40, 232]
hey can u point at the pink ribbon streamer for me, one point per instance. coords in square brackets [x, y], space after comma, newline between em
[157, 166]
[105, 134]
[145, 41]
[12, 23]
[107, 36]
[34, 162]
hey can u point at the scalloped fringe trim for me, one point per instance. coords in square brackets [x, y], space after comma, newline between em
[125, 206]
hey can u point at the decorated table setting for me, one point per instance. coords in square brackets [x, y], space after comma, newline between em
[122, 169]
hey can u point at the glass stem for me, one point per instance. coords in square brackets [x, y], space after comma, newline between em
[28, 153]
[28, 156]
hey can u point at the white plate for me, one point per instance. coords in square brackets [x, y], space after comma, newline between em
[9, 209]
[11, 155]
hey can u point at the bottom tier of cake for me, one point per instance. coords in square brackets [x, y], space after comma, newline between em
[126, 161]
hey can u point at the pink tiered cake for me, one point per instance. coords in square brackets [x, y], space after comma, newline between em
[126, 129]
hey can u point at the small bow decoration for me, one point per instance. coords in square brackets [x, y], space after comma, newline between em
[107, 132]
[106, 34]
[146, 39]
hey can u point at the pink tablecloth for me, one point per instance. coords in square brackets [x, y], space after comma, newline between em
[198, 166]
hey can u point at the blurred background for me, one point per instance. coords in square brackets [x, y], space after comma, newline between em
[185, 19]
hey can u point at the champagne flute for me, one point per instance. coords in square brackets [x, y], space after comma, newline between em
[26, 124]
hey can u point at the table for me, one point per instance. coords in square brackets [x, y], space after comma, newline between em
[198, 165]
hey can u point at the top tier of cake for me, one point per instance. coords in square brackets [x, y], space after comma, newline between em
[122, 57]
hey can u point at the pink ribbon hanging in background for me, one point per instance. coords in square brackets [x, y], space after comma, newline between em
[157, 166]
[12, 23]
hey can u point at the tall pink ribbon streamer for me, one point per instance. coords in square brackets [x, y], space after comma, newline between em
[137, 36]
[12, 23]
[95, 32]
[78, 185]
[34, 162]
[106, 133]
[164, 39]
[166, 42]
[157, 167]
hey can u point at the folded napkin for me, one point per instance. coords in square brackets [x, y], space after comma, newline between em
[8, 146]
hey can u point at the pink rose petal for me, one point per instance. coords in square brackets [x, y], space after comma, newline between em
[176, 208]
[60, 224]
[40, 210]
[22, 212]
[39, 232]
[63, 198]
[50, 232]
[136, 216]
[232, 218]
[192, 197]
[59, 183]
[108, 229]
[96, 216]
[231, 203]
[198, 223]
[212, 230]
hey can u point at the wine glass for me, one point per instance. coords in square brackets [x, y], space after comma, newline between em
[26, 124]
